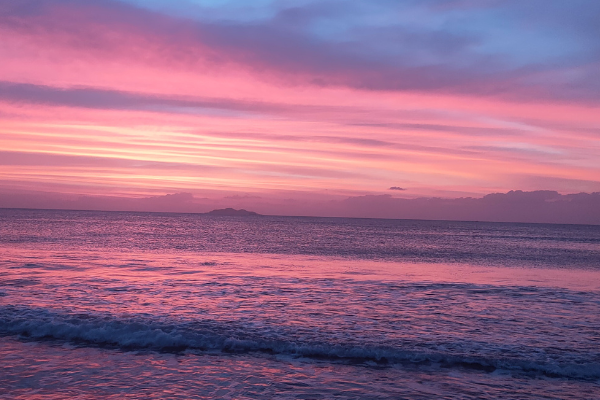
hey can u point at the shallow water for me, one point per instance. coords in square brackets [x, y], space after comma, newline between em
[165, 305]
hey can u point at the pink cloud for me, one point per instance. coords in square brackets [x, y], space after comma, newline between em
[102, 97]
[514, 206]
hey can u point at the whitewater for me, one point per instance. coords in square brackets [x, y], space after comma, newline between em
[149, 305]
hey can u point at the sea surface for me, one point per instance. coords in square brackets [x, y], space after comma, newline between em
[149, 305]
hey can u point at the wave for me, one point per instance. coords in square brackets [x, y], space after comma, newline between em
[139, 334]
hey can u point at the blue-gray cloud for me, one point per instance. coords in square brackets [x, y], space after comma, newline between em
[521, 49]
[98, 98]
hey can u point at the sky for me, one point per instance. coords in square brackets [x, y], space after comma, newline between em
[295, 106]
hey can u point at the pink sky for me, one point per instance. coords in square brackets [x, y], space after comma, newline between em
[110, 99]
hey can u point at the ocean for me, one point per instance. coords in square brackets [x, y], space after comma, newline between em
[152, 305]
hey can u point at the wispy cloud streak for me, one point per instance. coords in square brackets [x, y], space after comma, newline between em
[289, 99]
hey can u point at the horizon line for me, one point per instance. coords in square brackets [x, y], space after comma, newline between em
[294, 216]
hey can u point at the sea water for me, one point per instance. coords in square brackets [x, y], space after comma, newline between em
[150, 305]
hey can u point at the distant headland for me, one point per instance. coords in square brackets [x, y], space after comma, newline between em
[231, 212]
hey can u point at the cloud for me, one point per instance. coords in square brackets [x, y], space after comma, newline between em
[32, 159]
[89, 97]
[464, 49]
[515, 206]
[108, 97]
[396, 188]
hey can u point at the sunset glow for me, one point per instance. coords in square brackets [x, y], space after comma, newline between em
[297, 100]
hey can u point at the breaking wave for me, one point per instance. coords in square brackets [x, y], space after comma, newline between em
[146, 334]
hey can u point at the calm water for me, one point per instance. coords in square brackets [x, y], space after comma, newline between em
[135, 305]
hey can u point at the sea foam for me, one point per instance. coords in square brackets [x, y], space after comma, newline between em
[146, 334]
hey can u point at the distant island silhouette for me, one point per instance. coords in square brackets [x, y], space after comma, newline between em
[231, 212]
